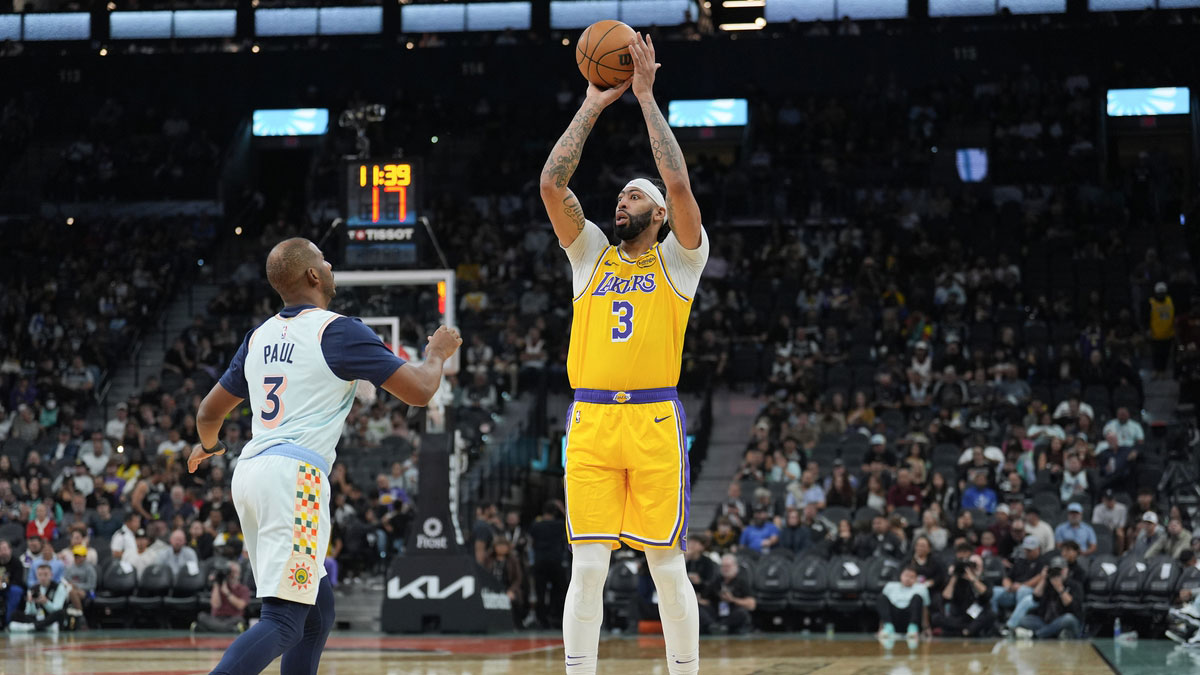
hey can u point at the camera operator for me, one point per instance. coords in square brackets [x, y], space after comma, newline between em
[229, 599]
[1059, 612]
[966, 609]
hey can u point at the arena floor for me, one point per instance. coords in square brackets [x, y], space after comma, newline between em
[180, 653]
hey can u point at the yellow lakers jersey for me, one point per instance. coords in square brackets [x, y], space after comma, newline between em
[1162, 318]
[629, 322]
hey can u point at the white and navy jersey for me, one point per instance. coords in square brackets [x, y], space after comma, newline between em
[299, 370]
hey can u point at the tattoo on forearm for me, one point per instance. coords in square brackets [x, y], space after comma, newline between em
[667, 155]
[563, 159]
[574, 211]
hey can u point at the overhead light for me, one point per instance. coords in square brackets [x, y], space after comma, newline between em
[743, 26]
[734, 4]
[566, 41]
[103, 51]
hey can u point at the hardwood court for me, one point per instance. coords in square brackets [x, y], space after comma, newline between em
[180, 653]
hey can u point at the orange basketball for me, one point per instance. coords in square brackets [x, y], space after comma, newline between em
[602, 53]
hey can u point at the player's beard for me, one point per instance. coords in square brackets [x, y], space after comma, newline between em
[328, 288]
[637, 223]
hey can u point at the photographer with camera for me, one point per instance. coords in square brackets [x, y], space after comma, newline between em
[966, 608]
[1059, 612]
[229, 599]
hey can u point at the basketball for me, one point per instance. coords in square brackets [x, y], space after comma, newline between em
[602, 53]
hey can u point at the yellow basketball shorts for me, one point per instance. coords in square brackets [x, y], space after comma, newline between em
[627, 470]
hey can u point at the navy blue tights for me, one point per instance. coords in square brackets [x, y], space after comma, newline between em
[296, 631]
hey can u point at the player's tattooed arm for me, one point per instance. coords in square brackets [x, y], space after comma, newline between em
[564, 158]
[682, 209]
[667, 155]
[683, 212]
[574, 211]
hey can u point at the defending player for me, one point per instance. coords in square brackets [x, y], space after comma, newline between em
[627, 469]
[299, 370]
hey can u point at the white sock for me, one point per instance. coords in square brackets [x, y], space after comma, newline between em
[584, 610]
[678, 610]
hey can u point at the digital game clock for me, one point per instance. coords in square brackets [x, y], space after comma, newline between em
[383, 193]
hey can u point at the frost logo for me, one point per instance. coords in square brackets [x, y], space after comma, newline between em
[429, 587]
[431, 535]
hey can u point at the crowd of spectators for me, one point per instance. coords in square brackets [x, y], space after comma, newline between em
[129, 151]
[73, 296]
[950, 372]
[933, 440]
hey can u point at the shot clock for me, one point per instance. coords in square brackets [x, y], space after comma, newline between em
[383, 193]
[382, 209]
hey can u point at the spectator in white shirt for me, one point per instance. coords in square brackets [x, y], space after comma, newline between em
[173, 445]
[1074, 479]
[115, 428]
[1072, 408]
[95, 454]
[1129, 431]
[1111, 514]
[1036, 527]
[141, 556]
[1045, 427]
[125, 539]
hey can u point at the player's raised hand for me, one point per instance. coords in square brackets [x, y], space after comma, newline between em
[644, 66]
[444, 342]
[199, 455]
[606, 97]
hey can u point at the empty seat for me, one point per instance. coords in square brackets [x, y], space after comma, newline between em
[1127, 592]
[620, 594]
[1162, 580]
[836, 514]
[1101, 580]
[154, 583]
[771, 583]
[116, 585]
[993, 571]
[185, 593]
[846, 582]
[880, 570]
[809, 581]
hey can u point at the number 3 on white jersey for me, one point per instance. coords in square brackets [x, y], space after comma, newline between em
[274, 385]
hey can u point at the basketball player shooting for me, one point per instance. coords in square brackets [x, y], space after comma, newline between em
[627, 469]
[299, 370]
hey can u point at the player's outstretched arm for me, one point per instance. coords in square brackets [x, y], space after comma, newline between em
[682, 210]
[562, 206]
[215, 407]
[416, 385]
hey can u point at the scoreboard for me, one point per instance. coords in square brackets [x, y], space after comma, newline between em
[382, 211]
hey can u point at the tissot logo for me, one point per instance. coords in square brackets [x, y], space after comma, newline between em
[382, 234]
[429, 587]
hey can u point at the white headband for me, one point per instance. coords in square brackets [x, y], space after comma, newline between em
[651, 191]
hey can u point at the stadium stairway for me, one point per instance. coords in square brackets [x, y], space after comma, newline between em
[733, 416]
[147, 361]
